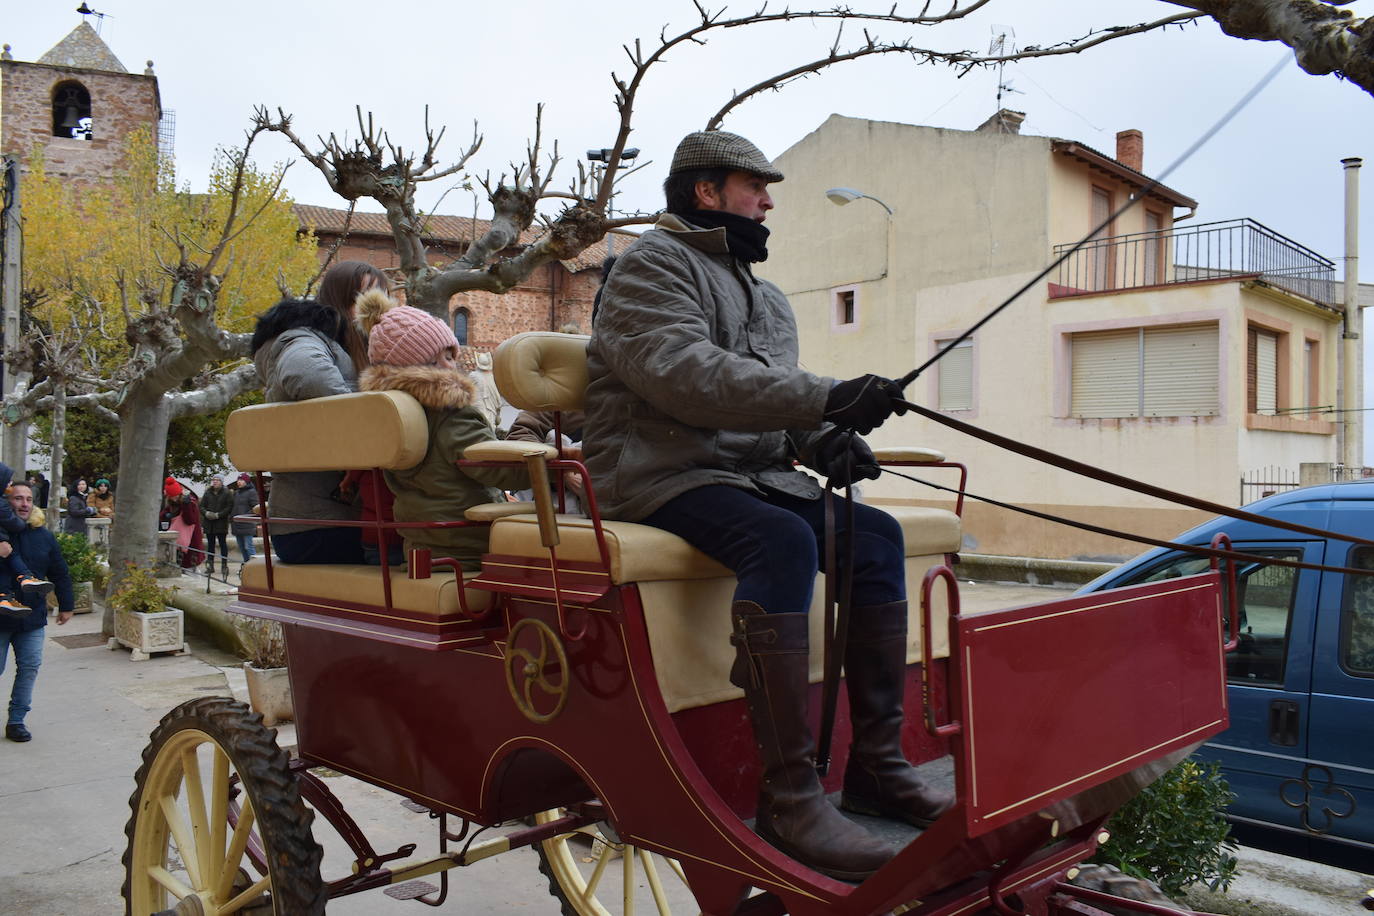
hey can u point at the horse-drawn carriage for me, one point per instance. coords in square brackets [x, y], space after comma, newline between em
[578, 687]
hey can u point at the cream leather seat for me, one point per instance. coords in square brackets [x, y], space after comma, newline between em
[685, 594]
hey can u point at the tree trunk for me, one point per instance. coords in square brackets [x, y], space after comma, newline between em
[142, 447]
[59, 435]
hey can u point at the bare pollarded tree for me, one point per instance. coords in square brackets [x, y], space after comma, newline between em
[1325, 39]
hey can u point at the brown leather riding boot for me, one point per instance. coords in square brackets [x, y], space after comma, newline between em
[793, 814]
[878, 780]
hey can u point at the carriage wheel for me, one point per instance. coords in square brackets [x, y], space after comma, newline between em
[592, 873]
[218, 825]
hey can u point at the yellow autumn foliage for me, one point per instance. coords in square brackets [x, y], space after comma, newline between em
[78, 243]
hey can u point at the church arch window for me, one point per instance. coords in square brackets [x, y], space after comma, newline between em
[71, 111]
[460, 325]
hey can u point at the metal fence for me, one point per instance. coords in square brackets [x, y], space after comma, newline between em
[1262, 482]
[1206, 251]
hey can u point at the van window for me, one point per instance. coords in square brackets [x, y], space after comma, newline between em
[1357, 623]
[1266, 610]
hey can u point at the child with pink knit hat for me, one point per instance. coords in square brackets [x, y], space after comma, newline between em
[414, 352]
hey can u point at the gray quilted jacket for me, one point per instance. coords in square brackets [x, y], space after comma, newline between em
[298, 364]
[694, 378]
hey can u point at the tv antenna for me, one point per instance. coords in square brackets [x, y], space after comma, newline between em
[85, 10]
[1003, 43]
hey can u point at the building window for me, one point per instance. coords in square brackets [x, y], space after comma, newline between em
[1168, 371]
[955, 377]
[1262, 372]
[1311, 373]
[1100, 262]
[71, 111]
[460, 326]
[1153, 253]
[844, 307]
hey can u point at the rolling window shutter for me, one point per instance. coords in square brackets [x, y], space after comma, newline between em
[956, 378]
[1106, 374]
[1181, 371]
[1266, 372]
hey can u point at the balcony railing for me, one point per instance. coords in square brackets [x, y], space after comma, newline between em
[1207, 251]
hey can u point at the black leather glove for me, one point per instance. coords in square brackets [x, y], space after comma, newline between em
[863, 403]
[844, 458]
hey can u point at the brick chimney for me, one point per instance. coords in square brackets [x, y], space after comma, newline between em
[1130, 149]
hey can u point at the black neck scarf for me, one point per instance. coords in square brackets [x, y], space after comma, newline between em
[747, 239]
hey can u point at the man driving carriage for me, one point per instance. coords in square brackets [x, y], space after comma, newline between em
[696, 410]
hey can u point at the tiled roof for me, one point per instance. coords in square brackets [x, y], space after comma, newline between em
[84, 50]
[1099, 159]
[441, 229]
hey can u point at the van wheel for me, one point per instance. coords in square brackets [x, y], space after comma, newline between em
[1111, 880]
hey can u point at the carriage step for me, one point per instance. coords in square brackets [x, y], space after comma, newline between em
[410, 890]
[411, 805]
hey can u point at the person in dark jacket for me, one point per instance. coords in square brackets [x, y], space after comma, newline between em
[216, 505]
[25, 637]
[245, 498]
[311, 349]
[181, 513]
[78, 509]
[696, 411]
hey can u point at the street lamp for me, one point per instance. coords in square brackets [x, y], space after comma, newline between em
[604, 155]
[841, 196]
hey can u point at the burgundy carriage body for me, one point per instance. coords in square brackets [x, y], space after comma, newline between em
[1055, 714]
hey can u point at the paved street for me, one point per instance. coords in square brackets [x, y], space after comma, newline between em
[64, 796]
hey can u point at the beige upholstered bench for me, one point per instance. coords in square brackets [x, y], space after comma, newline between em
[323, 435]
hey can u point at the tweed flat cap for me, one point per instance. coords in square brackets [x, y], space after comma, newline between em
[718, 149]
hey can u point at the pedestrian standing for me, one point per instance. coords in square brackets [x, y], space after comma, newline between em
[216, 505]
[24, 637]
[78, 509]
[245, 498]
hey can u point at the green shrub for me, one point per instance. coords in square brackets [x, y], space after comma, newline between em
[1174, 833]
[139, 592]
[82, 560]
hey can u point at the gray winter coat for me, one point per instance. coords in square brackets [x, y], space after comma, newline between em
[694, 378]
[302, 362]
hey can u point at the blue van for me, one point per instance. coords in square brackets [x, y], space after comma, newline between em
[1299, 754]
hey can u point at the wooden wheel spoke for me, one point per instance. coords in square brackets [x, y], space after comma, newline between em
[601, 862]
[627, 870]
[169, 881]
[219, 809]
[195, 802]
[646, 858]
[677, 870]
[182, 835]
[238, 844]
[251, 893]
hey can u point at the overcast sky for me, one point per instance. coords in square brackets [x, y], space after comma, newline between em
[1278, 162]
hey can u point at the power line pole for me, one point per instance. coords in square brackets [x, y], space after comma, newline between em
[11, 265]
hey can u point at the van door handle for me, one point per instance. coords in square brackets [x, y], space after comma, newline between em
[1283, 723]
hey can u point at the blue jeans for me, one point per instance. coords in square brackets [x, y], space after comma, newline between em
[774, 544]
[28, 655]
[245, 542]
[320, 545]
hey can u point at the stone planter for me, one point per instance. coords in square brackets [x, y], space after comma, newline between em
[145, 634]
[269, 693]
[84, 601]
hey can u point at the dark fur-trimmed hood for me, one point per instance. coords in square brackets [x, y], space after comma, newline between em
[297, 313]
[443, 389]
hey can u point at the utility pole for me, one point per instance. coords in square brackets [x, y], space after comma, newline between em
[11, 264]
[1352, 451]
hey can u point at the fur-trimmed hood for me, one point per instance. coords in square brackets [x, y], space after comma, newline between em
[441, 389]
[297, 313]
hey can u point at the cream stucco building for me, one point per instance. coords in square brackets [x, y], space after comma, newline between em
[1179, 352]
